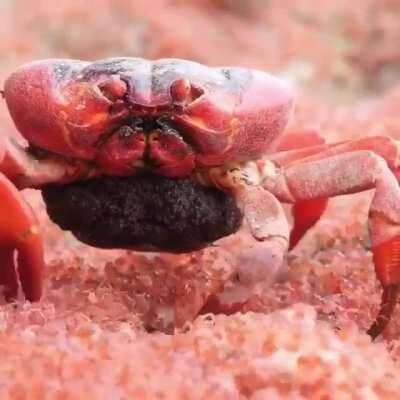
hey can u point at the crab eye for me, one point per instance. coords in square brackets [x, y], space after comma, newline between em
[113, 87]
[183, 92]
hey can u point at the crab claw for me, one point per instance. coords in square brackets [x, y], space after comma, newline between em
[21, 247]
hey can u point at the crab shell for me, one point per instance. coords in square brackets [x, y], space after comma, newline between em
[82, 110]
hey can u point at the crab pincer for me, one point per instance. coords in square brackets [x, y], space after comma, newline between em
[21, 246]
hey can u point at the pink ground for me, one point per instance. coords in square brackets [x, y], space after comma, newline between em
[87, 338]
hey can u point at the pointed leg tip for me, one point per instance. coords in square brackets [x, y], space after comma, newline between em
[389, 300]
[376, 329]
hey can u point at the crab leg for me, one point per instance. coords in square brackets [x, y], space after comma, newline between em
[295, 140]
[349, 173]
[383, 146]
[27, 172]
[306, 213]
[265, 227]
[263, 213]
[20, 243]
[8, 275]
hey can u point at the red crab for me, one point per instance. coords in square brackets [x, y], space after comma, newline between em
[176, 118]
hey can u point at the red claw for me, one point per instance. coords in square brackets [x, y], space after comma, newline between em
[21, 246]
[121, 151]
[171, 154]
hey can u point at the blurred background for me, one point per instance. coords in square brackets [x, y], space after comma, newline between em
[341, 48]
[335, 53]
[341, 51]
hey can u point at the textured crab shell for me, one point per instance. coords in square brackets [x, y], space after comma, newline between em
[226, 114]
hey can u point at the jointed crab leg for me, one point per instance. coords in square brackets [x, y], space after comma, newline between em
[20, 243]
[264, 214]
[306, 213]
[383, 146]
[349, 173]
[264, 221]
[25, 171]
[268, 230]
[8, 275]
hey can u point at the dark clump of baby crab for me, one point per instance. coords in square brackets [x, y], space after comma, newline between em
[129, 118]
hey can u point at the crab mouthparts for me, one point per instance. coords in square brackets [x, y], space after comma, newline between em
[155, 144]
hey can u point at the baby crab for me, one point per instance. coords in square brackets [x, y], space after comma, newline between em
[181, 120]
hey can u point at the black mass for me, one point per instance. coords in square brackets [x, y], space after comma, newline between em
[145, 212]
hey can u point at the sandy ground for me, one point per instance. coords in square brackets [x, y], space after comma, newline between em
[103, 328]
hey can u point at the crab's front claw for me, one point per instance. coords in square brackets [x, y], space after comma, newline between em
[21, 247]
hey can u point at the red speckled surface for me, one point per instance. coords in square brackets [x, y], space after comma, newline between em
[86, 338]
